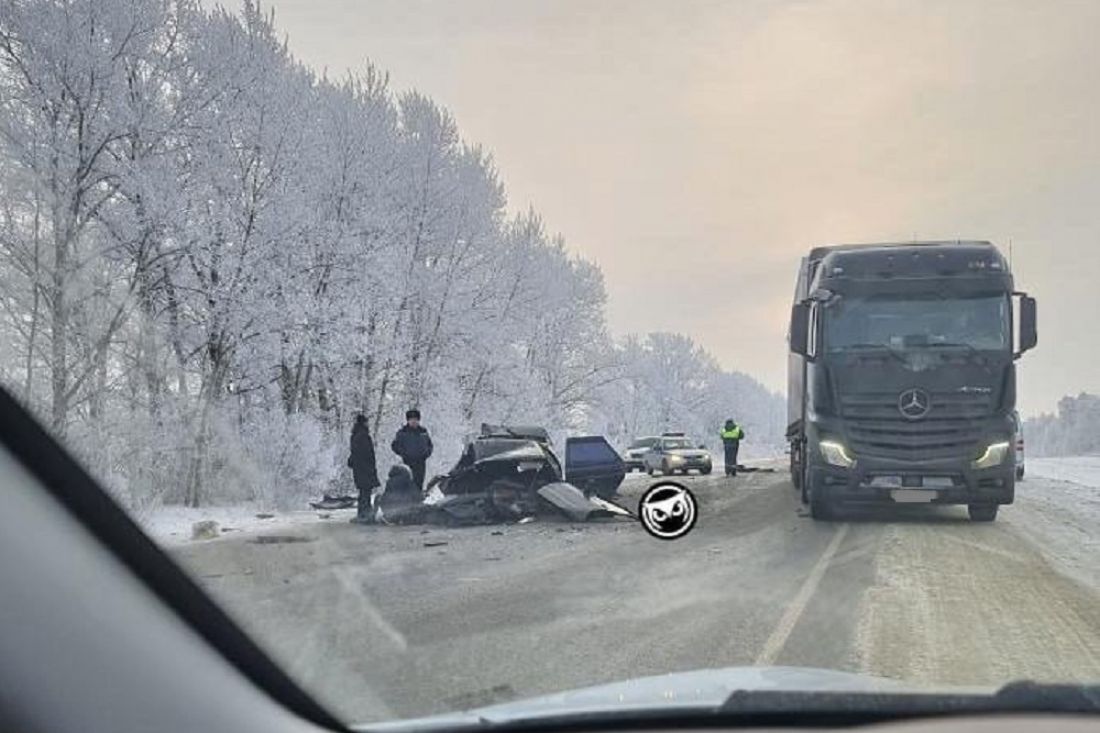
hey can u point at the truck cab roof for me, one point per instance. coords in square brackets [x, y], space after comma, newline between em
[878, 262]
[820, 251]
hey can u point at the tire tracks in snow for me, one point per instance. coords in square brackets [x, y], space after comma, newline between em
[963, 604]
[774, 644]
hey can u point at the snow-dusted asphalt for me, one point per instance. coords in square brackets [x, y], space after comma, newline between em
[384, 622]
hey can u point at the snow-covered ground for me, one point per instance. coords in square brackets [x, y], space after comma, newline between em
[1058, 506]
[1083, 470]
[171, 525]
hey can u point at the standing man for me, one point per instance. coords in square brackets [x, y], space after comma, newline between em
[413, 444]
[361, 461]
[731, 441]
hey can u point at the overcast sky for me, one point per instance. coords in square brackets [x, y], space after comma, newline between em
[697, 149]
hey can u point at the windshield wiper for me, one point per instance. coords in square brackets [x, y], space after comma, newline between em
[1016, 697]
[970, 350]
[745, 707]
[871, 347]
[949, 345]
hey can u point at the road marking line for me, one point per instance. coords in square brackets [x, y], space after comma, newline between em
[770, 651]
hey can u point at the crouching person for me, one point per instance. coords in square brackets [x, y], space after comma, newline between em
[401, 500]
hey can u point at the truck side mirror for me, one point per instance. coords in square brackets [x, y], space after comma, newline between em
[1029, 331]
[800, 329]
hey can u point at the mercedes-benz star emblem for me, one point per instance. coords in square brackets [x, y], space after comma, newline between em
[914, 403]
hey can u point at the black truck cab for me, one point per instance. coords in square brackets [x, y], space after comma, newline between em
[902, 380]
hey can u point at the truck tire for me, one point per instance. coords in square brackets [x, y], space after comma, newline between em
[796, 468]
[982, 512]
[704, 470]
[803, 494]
[821, 507]
[1019, 473]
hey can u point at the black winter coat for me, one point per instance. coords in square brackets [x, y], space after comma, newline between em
[414, 445]
[401, 499]
[361, 461]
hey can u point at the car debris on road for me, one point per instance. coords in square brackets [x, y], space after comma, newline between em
[512, 474]
[741, 468]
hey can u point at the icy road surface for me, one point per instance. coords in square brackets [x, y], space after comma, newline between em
[385, 622]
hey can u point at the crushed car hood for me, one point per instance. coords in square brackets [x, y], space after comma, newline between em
[704, 689]
[522, 452]
[573, 503]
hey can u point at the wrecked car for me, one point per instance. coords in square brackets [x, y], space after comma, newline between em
[510, 472]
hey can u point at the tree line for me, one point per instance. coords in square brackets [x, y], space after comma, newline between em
[1073, 431]
[212, 257]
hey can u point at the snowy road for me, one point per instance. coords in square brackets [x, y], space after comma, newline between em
[383, 622]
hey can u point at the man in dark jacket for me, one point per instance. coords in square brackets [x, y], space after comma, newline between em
[363, 467]
[413, 444]
[731, 440]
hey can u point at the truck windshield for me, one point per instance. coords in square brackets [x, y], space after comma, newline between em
[889, 321]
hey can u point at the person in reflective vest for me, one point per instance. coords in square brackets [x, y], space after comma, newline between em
[731, 441]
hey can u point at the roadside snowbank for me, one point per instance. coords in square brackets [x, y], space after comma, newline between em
[1083, 470]
[1058, 506]
[171, 525]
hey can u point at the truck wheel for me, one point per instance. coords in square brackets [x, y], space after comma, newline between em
[1020, 473]
[821, 507]
[651, 471]
[704, 470]
[796, 468]
[982, 512]
[803, 494]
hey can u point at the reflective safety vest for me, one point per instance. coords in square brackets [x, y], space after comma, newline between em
[735, 434]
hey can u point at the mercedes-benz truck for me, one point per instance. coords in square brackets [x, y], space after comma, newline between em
[902, 376]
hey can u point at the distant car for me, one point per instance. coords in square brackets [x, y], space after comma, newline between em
[676, 453]
[634, 453]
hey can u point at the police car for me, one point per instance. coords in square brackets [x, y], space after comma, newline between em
[674, 452]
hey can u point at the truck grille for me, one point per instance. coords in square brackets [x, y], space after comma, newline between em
[952, 427]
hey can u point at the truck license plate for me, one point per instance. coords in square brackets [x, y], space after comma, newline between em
[913, 496]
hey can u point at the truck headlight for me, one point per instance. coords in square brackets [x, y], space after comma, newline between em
[994, 455]
[675, 459]
[835, 454]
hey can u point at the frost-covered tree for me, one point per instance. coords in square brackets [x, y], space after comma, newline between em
[211, 258]
[1075, 430]
[668, 382]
